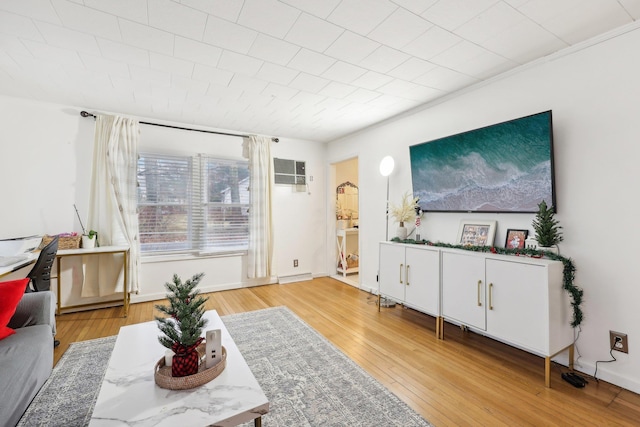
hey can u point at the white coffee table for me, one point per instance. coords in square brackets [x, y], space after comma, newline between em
[130, 396]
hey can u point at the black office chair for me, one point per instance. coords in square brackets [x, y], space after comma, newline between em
[40, 274]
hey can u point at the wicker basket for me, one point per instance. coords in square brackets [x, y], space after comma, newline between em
[64, 242]
[165, 380]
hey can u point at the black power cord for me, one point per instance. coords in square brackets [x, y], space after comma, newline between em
[613, 358]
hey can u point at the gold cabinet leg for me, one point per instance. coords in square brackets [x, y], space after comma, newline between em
[547, 372]
[257, 422]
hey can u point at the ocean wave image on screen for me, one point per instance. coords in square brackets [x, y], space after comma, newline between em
[499, 168]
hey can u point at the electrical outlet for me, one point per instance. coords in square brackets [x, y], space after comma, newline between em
[618, 341]
[295, 262]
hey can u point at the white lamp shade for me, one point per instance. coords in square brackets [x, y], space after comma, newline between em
[386, 166]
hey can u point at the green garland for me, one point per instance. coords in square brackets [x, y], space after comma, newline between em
[568, 272]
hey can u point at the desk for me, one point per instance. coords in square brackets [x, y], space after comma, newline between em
[124, 250]
[17, 266]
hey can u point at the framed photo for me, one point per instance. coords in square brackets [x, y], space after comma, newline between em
[476, 233]
[515, 238]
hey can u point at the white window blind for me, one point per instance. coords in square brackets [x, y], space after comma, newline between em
[192, 204]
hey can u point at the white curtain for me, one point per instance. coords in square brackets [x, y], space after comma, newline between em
[113, 205]
[260, 258]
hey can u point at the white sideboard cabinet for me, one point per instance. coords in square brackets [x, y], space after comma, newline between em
[410, 274]
[517, 300]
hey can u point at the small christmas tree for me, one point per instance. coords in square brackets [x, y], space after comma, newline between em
[546, 226]
[184, 325]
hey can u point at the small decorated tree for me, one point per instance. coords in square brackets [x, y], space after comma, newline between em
[183, 327]
[546, 227]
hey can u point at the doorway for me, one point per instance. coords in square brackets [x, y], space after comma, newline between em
[346, 200]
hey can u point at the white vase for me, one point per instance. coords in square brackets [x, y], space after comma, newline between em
[401, 232]
[88, 243]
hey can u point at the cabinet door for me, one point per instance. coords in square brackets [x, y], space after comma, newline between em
[517, 309]
[422, 284]
[463, 289]
[392, 271]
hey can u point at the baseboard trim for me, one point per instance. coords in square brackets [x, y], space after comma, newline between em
[295, 278]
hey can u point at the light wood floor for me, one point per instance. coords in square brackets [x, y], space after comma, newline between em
[465, 379]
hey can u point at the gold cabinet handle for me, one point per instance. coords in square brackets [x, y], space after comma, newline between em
[401, 265]
[479, 288]
[407, 274]
[490, 296]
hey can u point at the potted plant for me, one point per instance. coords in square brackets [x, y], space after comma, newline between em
[547, 228]
[183, 327]
[90, 239]
[406, 211]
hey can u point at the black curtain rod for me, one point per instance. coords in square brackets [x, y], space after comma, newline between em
[87, 114]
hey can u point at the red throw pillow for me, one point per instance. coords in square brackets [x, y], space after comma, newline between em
[10, 294]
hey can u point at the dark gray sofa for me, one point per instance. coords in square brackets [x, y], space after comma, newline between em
[26, 357]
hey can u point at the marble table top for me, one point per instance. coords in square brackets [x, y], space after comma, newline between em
[129, 395]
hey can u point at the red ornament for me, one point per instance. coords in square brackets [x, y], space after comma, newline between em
[493, 250]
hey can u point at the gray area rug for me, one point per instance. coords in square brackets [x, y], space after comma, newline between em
[308, 381]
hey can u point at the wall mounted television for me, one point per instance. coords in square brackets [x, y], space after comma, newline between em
[506, 167]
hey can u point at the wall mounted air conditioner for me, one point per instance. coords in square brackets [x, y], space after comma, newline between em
[291, 172]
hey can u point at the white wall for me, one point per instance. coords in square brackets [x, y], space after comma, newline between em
[45, 161]
[593, 91]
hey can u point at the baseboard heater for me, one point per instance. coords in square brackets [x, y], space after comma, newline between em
[295, 278]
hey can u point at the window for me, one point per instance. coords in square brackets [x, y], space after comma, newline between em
[193, 204]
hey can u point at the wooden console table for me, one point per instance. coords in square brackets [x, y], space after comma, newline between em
[102, 250]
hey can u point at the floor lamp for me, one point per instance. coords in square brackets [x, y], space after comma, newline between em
[386, 168]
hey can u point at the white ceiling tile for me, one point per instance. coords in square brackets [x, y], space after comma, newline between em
[19, 26]
[149, 76]
[194, 51]
[498, 19]
[431, 43]
[415, 6]
[212, 75]
[313, 33]
[134, 10]
[238, 63]
[144, 37]
[332, 105]
[225, 9]
[524, 42]
[99, 64]
[411, 68]
[276, 73]
[351, 47]
[191, 86]
[399, 29]
[385, 101]
[371, 80]
[228, 35]
[311, 62]
[451, 14]
[279, 91]
[473, 60]
[361, 16]
[13, 45]
[61, 37]
[173, 17]
[384, 59]
[445, 79]
[337, 90]
[589, 18]
[247, 83]
[308, 83]
[125, 53]
[273, 50]
[171, 64]
[318, 8]
[222, 91]
[516, 3]
[546, 10]
[54, 54]
[306, 98]
[87, 20]
[362, 96]
[343, 72]
[632, 7]
[268, 16]
[42, 10]
[407, 90]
